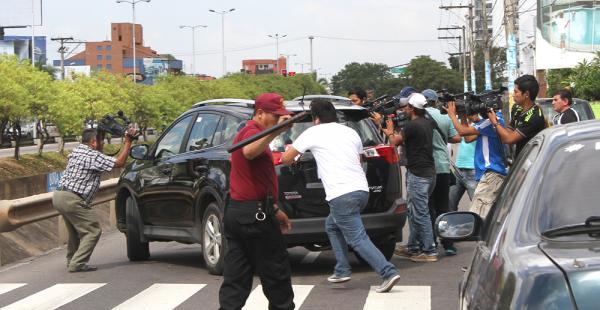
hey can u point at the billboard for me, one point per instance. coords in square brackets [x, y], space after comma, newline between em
[22, 49]
[567, 32]
[20, 13]
[153, 68]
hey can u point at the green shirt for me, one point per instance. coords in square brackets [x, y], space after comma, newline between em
[440, 150]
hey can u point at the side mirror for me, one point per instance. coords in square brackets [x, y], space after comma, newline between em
[459, 226]
[139, 151]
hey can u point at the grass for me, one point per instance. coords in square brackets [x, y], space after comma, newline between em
[596, 108]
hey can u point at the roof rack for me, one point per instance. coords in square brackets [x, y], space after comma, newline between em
[236, 101]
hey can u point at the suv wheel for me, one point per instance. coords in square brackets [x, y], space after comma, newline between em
[136, 249]
[214, 244]
[385, 245]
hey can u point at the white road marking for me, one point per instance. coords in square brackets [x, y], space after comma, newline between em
[258, 301]
[310, 257]
[7, 287]
[400, 298]
[161, 296]
[597, 146]
[54, 296]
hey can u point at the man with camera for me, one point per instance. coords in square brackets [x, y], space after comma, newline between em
[417, 138]
[490, 168]
[562, 102]
[527, 119]
[76, 190]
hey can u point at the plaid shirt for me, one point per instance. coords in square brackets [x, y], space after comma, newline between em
[84, 168]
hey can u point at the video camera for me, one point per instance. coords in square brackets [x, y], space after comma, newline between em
[386, 108]
[473, 103]
[116, 125]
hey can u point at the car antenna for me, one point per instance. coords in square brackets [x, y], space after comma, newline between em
[302, 99]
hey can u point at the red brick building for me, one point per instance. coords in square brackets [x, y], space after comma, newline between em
[263, 66]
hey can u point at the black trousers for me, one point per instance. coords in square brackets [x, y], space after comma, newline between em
[254, 247]
[439, 201]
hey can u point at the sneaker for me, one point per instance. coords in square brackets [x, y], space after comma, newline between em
[404, 252]
[425, 258]
[334, 278]
[84, 268]
[387, 284]
[450, 250]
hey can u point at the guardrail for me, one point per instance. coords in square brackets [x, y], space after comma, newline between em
[18, 212]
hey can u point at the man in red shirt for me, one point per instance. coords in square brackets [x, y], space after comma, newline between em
[253, 222]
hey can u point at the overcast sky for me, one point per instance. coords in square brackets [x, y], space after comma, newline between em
[405, 28]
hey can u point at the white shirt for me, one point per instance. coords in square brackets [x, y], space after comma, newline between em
[337, 150]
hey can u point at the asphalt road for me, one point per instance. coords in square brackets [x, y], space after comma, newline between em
[33, 149]
[175, 277]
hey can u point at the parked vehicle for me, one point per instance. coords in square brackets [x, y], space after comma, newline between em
[581, 106]
[540, 245]
[177, 189]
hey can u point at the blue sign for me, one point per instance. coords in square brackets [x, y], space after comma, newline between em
[52, 180]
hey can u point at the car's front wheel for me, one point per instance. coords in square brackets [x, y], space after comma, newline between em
[136, 249]
[214, 244]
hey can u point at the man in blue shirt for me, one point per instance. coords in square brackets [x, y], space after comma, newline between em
[490, 168]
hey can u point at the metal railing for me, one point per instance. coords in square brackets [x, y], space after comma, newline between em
[18, 212]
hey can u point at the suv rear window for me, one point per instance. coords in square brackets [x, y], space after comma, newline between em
[354, 119]
[578, 105]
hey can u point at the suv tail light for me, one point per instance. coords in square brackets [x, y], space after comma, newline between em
[387, 152]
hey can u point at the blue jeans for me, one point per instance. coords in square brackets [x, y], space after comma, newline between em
[458, 190]
[344, 227]
[420, 237]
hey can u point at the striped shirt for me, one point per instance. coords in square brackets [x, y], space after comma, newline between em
[84, 168]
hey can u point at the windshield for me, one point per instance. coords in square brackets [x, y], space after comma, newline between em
[570, 191]
[361, 125]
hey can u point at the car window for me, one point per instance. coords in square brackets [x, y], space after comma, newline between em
[170, 144]
[227, 130]
[579, 106]
[570, 195]
[201, 136]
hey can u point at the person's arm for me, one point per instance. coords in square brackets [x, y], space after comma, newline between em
[506, 135]
[254, 149]
[469, 139]
[284, 222]
[288, 157]
[462, 129]
[122, 157]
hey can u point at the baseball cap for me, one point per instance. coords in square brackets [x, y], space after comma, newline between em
[417, 101]
[272, 103]
[430, 95]
[402, 96]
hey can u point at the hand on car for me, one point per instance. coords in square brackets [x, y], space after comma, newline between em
[376, 117]
[284, 222]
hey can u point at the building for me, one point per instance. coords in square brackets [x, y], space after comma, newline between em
[264, 66]
[116, 55]
[479, 20]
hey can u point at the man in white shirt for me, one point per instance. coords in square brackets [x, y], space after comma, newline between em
[337, 150]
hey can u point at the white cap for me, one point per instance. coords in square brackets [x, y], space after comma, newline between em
[417, 100]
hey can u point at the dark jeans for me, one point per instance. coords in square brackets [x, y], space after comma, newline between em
[439, 201]
[254, 247]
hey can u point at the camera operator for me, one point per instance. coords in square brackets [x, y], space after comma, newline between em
[490, 169]
[527, 119]
[465, 163]
[417, 138]
[444, 133]
[76, 190]
[562, 102]
[358, 96]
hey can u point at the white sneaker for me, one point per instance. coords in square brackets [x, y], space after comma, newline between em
[387, 284]
[334, 278]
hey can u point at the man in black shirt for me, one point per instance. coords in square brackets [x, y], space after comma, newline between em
[526, 119]
[417, 138]
[561, 102]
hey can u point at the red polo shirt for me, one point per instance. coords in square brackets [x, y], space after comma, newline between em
[252, 179]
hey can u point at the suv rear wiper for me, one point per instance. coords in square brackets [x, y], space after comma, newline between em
[590, 227]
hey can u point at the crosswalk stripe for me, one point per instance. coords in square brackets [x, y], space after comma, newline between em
[161, 296]
[310, 257]
[400, 298]
[258, 301]
[54, 296]
[7, 287]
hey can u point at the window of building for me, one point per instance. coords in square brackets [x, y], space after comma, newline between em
[120, 38]
[99, 47]
[99, 57]
[99, 67]
[108, 57]
[109, 67]
[108, 47]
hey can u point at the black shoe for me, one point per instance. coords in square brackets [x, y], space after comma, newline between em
[84, 268]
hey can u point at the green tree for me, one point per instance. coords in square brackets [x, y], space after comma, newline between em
[424, 72]
[365, 75]
[586, 79]
[67, 111]
[558, 79]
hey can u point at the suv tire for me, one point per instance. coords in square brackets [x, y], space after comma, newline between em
[214, 243]
[385, 245]
[136, 249]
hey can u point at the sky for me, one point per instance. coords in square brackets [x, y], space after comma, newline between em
[398, 29]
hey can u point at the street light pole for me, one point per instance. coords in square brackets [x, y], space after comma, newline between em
[276, 37]
[222, 13]
[193, 44]
[133, 2]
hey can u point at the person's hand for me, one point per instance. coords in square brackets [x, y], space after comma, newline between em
[282, 119]
[451, 109]
[131, 134]
[284, 222]
[389, 127]
[376, 117]
[492, 117]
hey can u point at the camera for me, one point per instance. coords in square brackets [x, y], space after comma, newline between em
[473, 103]
[116, 125]
[399, 119]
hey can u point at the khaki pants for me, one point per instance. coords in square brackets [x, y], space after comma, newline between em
[486, 192]
[83, 227]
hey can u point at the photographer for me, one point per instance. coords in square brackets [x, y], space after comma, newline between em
[417, 138]
[76, 190]
[444, 133]
[490, 169]
[527, 119]
[358, 96]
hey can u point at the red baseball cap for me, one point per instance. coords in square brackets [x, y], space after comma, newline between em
[272, 103]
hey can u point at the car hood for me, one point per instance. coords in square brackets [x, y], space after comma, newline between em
[580, 262]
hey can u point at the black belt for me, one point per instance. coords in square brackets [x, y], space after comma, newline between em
[262, 208]
[63, 189]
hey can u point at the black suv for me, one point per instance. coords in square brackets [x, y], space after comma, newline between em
[177, 189]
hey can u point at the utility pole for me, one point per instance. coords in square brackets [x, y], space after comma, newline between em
[471, 22]
[464, 58]
[222, 13]
[62, 50]
[486, 46]
[512, 65]
[311, 38]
